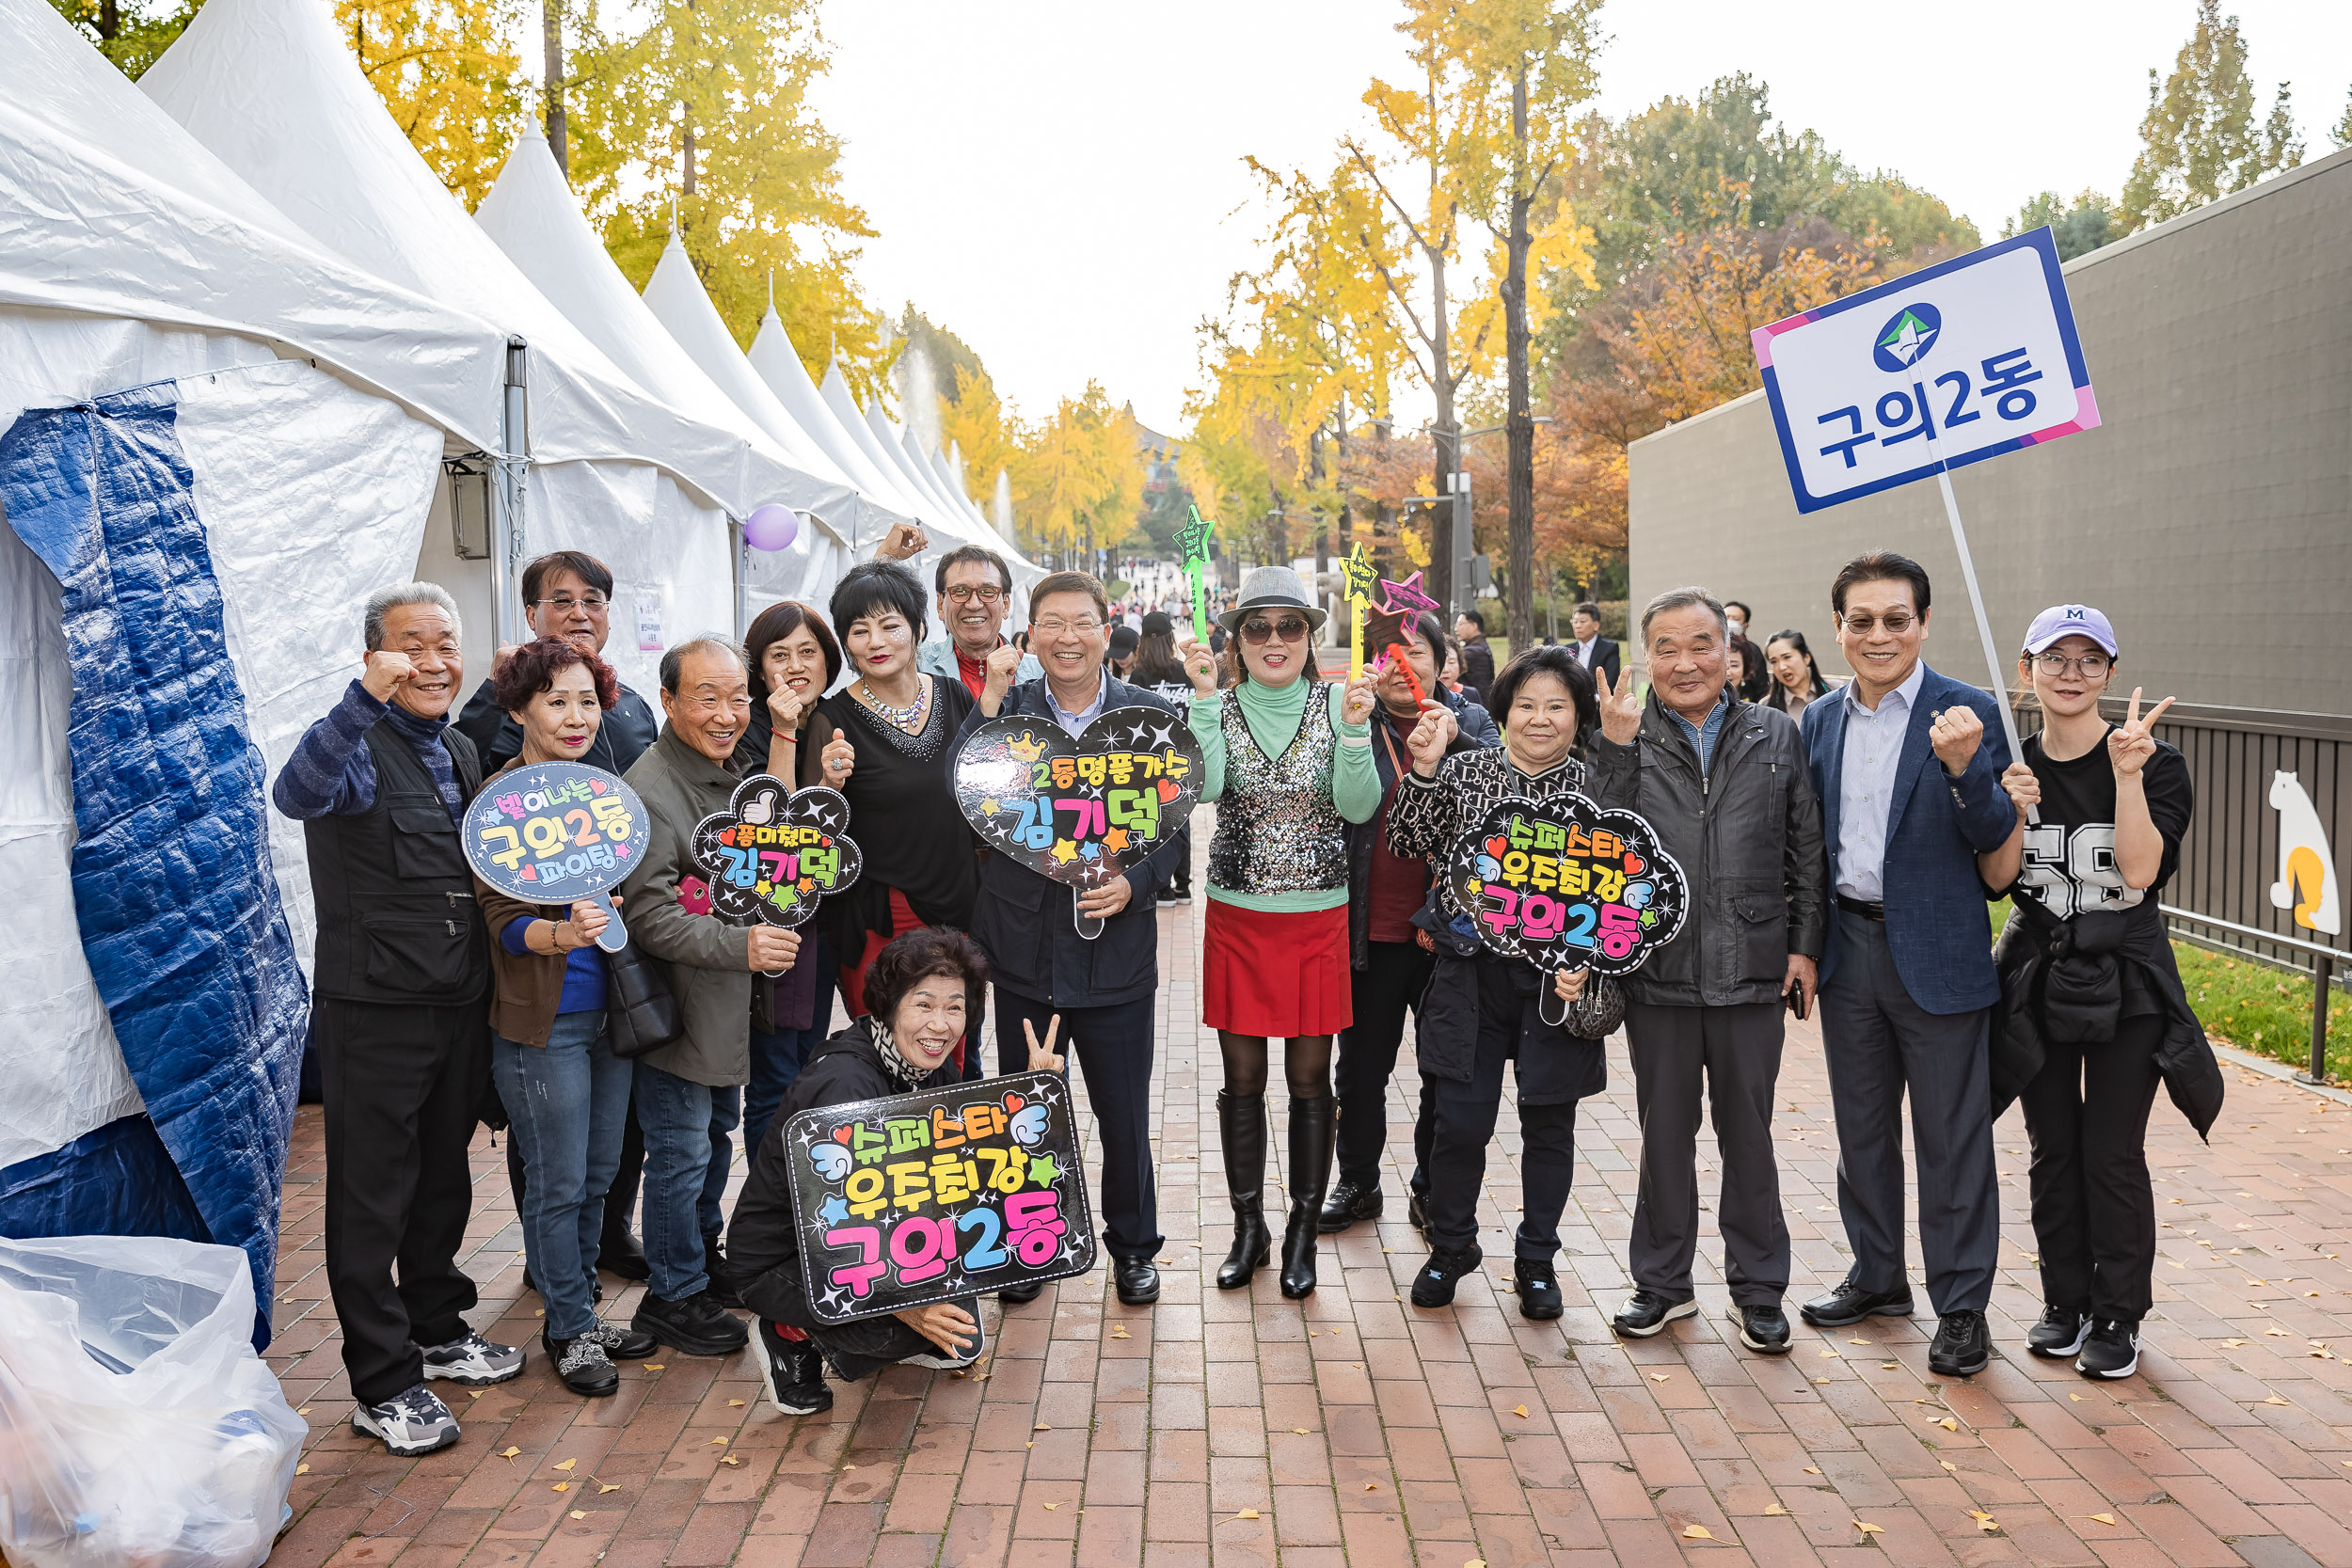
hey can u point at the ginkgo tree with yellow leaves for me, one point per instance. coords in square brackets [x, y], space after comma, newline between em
[1079, 483]
[704, 113]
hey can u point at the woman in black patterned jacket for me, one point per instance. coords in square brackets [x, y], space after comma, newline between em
[1482, 1010]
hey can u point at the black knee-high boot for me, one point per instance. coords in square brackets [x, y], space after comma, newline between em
[1241, 1123]
[1311, 1127]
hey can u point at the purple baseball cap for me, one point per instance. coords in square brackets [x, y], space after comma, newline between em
[2070, 620]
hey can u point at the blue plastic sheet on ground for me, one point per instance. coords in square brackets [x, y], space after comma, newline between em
[173, 889]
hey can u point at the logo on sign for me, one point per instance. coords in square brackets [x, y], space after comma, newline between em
[1905, 341]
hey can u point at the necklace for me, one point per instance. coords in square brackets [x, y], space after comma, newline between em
[904, 717]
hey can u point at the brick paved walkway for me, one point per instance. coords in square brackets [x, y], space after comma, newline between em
[1245, 1429]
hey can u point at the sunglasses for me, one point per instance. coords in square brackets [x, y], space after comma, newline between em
[1289, 628]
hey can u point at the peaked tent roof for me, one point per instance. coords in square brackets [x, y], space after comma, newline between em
[677, 300]
[893, 441]
[97, 185]
[269, 85]
[531, 214]
[778, 365]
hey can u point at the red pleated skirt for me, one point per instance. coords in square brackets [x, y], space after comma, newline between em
[1283, 976]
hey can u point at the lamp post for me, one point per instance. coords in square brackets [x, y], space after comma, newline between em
[1458, 493]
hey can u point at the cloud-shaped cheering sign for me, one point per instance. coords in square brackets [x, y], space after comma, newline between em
[1079, 811]
[1562, 883]
[772, 855]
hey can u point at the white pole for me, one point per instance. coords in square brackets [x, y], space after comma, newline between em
[1984, 621]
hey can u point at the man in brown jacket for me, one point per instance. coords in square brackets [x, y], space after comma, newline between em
[684, 777]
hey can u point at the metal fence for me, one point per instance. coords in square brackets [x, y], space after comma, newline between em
[2220, 895]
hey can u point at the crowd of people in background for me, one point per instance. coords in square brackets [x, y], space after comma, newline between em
[1840, 848]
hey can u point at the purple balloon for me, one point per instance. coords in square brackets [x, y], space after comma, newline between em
[771, 528]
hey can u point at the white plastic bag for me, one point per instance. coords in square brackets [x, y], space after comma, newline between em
[138, 1428]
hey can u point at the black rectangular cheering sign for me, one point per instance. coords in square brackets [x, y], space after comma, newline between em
[929, 1197]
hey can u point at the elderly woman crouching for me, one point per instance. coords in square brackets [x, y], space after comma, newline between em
[916, 993]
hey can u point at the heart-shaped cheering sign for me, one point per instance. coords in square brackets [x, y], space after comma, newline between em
[554, 832]
[773, 854]
[1565, 884]
[1079, 811]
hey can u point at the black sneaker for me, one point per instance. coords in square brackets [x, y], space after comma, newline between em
[473, 1361]
[1850, 1303]
[1538, 1285]
[2111, 1350]
[1023, 1293]
[2061, 1332]
[1649, 1311]
[623, 1344]
[1416, 1215]
[411, 1423]
[582, 1365]
[1434, 1285]
[696, 1326]
[1350, 1200]
[1762, 1329]
[722, 1275]
[620, 1254]
[1961, 1345]
[792, 1371]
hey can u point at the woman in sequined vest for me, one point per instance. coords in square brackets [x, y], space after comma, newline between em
[1289, 763]
[1482, 1010]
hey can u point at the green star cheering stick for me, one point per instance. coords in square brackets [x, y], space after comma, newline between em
[1193, 539]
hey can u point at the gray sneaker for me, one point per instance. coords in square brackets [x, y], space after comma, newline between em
[473, 1361]
[411, 1423]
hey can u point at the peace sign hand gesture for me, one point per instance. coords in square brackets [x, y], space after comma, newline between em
[1043, 1058]
[1620, 709]
[2131, 743]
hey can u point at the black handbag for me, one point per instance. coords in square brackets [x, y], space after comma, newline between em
[640, 1013]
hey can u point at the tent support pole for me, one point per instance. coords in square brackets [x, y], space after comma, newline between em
[506, 526]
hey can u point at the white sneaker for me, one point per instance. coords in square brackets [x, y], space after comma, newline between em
[416, 1422]
[473, 1361]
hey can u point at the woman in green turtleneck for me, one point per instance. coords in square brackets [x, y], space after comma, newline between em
[1289, 763]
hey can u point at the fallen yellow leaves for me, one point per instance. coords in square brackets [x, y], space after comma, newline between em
[1040, 1427]
[1985, 1522]
[1371, 1486]
[1869, 1529]
[567, 1464]
[561, 1486]
[1247, 1513]
[509, 1452]
[579, 1514]
[655, 1366]
[603, 1487]
[1520, 1411]
[302, 1469]
[1948, 1424]
[1298, 1431]
[1050, 1507]
[1775, 1510]
[729, 1459]
[719, 1442]
[1697, 1532]
[735, 1404]
[1813, 1469]
[2101, 1518]
[1660, 1377]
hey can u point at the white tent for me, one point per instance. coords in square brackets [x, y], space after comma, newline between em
[778, 364]
[532, 216]
[216, 430]
[269, 87]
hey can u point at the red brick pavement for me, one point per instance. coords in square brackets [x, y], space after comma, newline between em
[1242, 1429]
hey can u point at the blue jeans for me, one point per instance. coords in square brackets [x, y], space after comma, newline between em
[567, 1101]
[675, 1114]
[726, 1111]
[776, 1061]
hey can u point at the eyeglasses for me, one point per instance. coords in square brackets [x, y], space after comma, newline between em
[1085, 626]
[2090, 666]
[987, 592]
[1289, 628]
[563, 604]
[1896, 622]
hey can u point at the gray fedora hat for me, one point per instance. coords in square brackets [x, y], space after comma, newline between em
[1272, 588]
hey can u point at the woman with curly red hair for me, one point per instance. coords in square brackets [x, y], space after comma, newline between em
[565, 1093]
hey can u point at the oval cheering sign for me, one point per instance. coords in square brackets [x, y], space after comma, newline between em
[1565, 884]
[554, 832]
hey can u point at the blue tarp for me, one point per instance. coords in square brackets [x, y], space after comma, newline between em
[178, 905]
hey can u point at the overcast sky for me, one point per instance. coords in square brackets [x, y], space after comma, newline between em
[1057, 181]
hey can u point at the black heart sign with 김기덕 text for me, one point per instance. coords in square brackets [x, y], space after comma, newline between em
[774, 854]
[1083, 811]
